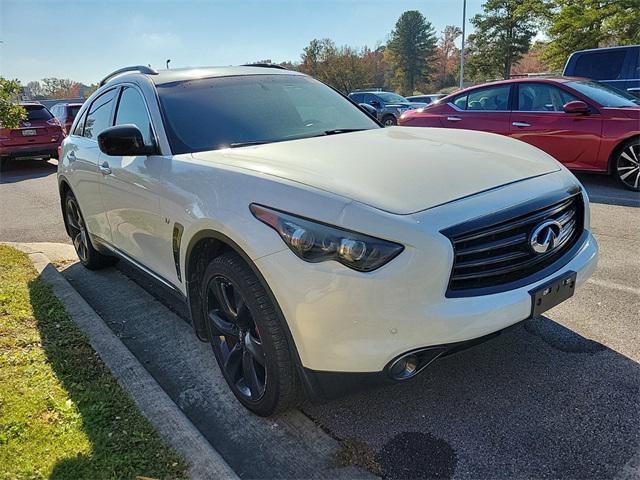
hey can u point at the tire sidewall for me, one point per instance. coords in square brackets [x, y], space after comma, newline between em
[268, 403]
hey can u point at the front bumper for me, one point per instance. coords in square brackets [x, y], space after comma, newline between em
[343, 321]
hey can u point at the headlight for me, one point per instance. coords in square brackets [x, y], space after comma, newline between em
[317, 242]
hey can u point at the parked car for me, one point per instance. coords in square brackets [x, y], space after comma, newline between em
[389, 105]
[37, 137]
[617, 67]
[427, 99]
[66, 113]
[584, 124]
[315, 250]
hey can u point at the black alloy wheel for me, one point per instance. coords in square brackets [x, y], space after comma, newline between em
[627, 166]
[237, 344]
[248, 336]
[77, 229]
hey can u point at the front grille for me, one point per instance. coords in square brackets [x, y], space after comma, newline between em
[494, 252]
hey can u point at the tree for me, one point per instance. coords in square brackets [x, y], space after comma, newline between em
[532, 61]
[11, 113]
[411, 49]
[59, 87]
[503, 34]
[447, 56]
[590, 24]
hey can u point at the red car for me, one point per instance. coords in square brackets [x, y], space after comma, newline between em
[584, 124]
[38, 136]
[65, 113]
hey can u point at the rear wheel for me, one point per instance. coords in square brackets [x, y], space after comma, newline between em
[89, 256]
[247, 337]
[626, 166]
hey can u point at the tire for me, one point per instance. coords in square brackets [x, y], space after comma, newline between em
[247, 336]
[4, 162]
[389, 121]
[626, 165]
[89, 256]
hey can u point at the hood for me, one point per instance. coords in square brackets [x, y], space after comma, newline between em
[398, 169]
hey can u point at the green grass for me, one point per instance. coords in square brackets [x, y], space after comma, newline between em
[62, 413]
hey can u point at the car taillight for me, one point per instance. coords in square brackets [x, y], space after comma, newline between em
[53, 122]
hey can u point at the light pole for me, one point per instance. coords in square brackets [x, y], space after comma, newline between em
[464, 21]
[168, 63]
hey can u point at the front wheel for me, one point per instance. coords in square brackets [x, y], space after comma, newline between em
[626, 167]
[389, 121]
[248, 337]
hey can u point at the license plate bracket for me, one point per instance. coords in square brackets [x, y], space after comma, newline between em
[29, 132]
[552, 293]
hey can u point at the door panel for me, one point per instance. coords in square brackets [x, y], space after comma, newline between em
[484, 109]
[538, 119]
[131, 188]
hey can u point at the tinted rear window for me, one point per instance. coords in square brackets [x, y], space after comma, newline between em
[37, 112]
[600, 65]
[212, 113]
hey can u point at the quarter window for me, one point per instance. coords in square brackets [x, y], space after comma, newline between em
[99, 116]
[132, 110]
[80, 125]
[540, 97]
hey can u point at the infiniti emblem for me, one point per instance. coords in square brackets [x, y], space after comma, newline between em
[545, 236]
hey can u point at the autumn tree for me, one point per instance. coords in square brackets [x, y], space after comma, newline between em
[59, 87]
[503, 34]
[447, 57]
[590, 24]
[411, 49]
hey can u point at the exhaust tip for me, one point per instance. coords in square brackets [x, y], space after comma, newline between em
[410, 364]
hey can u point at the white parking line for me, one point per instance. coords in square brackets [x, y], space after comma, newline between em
[607, 284]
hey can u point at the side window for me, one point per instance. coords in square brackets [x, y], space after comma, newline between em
[540, 97]
[80, 125]
[357, 97]
[492, 98]
[460, 102]
[99, 115]
[600, 65]
[132, 109]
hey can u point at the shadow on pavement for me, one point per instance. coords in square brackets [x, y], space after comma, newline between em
[539, 401]
[606, 189]
[18, 170]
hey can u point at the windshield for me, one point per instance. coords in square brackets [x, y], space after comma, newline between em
[213, 113]
[604, 95]
[389, 97]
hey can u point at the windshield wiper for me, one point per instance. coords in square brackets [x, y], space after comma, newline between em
[336, 131]
[247, 144]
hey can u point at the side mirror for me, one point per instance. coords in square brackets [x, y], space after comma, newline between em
[124, 140]
[576, 106]
[375, 103]
[369, 109]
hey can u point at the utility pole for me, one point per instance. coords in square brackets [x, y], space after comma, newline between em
[464, 21]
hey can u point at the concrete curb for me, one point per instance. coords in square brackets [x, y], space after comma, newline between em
[204, 462]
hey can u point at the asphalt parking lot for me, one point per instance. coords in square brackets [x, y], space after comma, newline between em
[558, 396]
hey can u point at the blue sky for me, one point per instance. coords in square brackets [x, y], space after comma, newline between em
[84, 40]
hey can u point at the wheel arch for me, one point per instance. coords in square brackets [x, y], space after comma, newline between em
[63, 188]
[616, 150]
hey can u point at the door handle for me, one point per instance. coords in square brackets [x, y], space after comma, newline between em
[105, 169]
[454, 119]
[520, 124]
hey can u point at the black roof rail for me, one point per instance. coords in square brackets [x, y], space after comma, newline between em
[264, 65]
[135, 68]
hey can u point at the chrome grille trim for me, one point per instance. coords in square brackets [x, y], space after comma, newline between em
[493, 254]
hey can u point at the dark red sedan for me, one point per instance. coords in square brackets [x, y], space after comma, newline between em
[582, 123]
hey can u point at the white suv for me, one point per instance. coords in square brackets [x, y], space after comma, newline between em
[317, 251]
